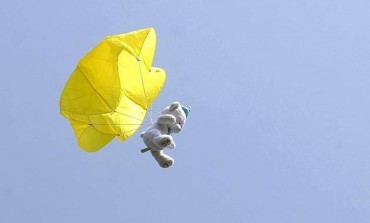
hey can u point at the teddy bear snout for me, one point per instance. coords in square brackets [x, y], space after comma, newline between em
[176, 128]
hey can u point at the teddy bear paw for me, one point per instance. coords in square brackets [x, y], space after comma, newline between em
[164, 141]
[172, 145]
[166, 163]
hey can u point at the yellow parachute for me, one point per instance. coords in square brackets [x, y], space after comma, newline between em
[110, 91]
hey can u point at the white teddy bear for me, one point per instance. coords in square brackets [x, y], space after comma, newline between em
[158, 136]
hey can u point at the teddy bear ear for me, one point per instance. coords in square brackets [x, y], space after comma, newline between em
[174, 105]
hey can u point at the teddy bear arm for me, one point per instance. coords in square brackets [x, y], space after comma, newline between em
[166, 119]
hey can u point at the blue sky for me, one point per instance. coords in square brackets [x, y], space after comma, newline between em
[279, 129]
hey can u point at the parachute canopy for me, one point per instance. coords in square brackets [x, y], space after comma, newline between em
[111, 89]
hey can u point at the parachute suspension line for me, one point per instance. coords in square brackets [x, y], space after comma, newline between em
[142, 83]
[155, 112]
[151, 111]
[91, 123]
[145, 124]
[141, 120]
[151, 114]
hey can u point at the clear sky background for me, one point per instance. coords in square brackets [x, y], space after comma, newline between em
[280, 122]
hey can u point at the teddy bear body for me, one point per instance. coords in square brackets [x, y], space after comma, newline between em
[158, 136]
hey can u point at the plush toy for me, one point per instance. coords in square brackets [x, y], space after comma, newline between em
[158, 136]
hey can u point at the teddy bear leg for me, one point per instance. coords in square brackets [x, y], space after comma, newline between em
[163, 141]
[163, 160]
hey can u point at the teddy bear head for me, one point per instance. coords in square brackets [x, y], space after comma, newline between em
[179, 114]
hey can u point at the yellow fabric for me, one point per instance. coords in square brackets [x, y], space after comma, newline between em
[110, 91]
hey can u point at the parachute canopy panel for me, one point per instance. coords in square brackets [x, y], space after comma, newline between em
[111, 89]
